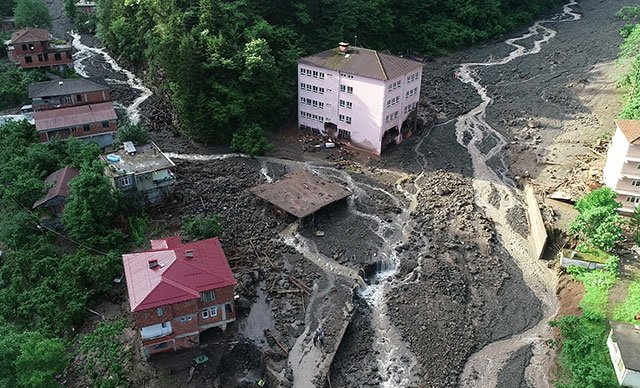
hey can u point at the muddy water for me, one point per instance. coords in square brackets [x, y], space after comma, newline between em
[85, 53]
[483, 367]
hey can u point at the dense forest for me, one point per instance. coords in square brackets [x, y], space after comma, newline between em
[230, 65]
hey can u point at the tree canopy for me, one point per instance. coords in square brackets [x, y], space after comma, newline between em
[598, 222]
[32, 13]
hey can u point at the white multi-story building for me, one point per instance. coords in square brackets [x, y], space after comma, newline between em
[366, 97]
[622, 170]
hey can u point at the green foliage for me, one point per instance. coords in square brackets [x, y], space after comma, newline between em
[93, 208]
[28, 359]
[584, 352]
[14, 84]
[104, 355]
[232, 65]
[128, 131]
[598, 223]
[251, 141]
[32, 13]
[6, 8]
[200, 227]
[138, 229]
[630, 308]
[629, 50]
[597, 284]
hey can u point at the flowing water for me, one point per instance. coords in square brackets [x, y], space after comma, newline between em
[489, 176]
[85, 53]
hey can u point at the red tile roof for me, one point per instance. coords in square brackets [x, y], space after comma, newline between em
[630, 129]
[30, 34]
[74, 116]
[176, 278]
[60, 180]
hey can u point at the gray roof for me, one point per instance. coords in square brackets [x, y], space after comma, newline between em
[68, 86]
[301, 193]
[363, 62]
[628, 340]
[147, 158]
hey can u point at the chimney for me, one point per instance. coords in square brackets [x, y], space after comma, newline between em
[343, 47]
[189, 253]
[153, 264]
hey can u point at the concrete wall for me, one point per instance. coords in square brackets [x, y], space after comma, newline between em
[537, 231]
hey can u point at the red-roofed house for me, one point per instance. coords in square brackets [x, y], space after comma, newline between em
[92, 122]
[177, 291]
[34, 47]
[622, 170]
[52, 204]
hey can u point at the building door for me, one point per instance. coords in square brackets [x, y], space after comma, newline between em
[330, 129]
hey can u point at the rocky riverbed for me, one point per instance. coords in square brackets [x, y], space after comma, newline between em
[451, 282]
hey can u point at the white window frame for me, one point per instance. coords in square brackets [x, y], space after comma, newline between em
[208, 296]
[214, 311]
[125, 181]
[635, 183]
[205, 313]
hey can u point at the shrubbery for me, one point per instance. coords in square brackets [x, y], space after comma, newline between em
[201, 227]
[251, 141]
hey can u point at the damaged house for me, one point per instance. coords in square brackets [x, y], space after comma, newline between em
[177, 291]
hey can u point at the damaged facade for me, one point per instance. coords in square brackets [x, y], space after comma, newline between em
[142, 173]
[362, 96]
[177, 291]
[35, 48]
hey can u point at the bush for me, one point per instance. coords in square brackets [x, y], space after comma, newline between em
[201, 227]
[105, 355]
[128, 131]
[252, 141]
[598, 222]
[629, 310]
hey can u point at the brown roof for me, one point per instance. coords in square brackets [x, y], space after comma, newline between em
[630, 129]
[30, 34]
[74, 116]
[60, 180]
[301, 193]
[363, 62]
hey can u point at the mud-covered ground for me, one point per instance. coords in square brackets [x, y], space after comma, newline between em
[456, 288]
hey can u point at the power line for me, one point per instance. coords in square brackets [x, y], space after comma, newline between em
[40, 226]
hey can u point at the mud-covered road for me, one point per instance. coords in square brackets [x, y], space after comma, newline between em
[455, 299]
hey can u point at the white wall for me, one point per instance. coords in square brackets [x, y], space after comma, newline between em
[618, 149]
[156, 330]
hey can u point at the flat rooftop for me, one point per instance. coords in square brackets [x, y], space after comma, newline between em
[147, 158]
[628, 339]
[301, 193]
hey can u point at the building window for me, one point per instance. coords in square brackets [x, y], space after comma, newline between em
[46, 57]
[79, 97]
[105, 124]
[125, 181]
[74, 129]
[635, 183]
[412, 77]
[633, 199]
[346, 89]
[345, 119]
[303, 71]
[346, 104]
[160, 312]
[40, 59]
[57, 56]
[24, 47]
[394, 86]
[205, 313]
[186, 318]
[31, 46]
[214, 311]
[28, 59]
[345, 75]
[86, 127]
[344, 134]
[208, 296]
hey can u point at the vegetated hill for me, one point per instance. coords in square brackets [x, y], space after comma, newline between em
[231, 64]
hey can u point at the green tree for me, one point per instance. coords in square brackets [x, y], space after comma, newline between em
[93, 209]
[251, 141]
[32, 13]
[128, 131]
[200, 227]
[598, 222]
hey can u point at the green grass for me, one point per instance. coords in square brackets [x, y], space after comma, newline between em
[597, 284]
[628, 310]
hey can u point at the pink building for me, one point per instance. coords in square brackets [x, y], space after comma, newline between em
[366, 97]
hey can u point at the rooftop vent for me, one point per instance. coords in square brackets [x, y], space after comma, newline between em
[153, 264]
[60, 82]
[343, 47]
[189, 253]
